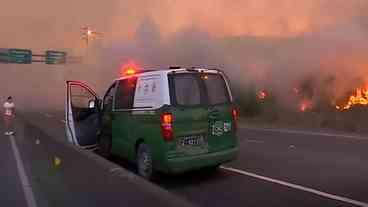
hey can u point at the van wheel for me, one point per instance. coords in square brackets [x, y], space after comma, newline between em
[211, 169]
[104, 146]
[144, 161]
[214, 168]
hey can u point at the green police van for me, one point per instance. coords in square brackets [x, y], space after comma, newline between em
[171, 120]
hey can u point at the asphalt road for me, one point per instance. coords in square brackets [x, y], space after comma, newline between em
[60, 175]
[274, 168]
[11, 193]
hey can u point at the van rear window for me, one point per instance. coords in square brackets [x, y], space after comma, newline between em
[187, 89]
[216, 89]
[190, 89]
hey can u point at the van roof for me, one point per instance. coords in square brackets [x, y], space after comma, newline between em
[173, 70]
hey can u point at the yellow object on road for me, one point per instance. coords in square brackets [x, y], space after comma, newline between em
[57, 161]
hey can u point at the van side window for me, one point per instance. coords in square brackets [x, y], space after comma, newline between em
[108, 99]
[80, 97]
[124, 97]
[187, 89]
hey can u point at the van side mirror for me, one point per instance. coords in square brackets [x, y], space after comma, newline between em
[91, 104]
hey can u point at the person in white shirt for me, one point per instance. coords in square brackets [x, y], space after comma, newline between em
[9, 109]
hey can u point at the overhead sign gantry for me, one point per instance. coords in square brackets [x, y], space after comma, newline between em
[25, 56]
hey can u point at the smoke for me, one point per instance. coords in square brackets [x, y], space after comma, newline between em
[272, 44]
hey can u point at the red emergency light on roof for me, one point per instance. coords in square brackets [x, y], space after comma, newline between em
[130, 68]
[130, 71]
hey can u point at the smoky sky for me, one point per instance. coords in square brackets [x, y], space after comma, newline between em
[272, 44]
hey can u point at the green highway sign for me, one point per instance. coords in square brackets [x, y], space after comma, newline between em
[23, 56]
[4, 56]
[55, 57]
[20, 56]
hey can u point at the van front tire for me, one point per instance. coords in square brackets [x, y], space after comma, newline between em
[144, 161]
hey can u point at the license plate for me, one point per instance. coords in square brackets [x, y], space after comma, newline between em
[192, 141]
[192, 145]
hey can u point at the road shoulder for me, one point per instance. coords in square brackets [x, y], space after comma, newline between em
[82, 178]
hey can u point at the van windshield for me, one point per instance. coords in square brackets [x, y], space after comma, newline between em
[190, 89]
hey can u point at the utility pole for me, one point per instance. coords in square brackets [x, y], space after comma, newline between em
[88, 34]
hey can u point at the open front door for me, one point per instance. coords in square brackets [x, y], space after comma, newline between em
[82, 115]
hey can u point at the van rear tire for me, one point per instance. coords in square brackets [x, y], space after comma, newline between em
[144, 161]
[213, 168]
[210, 169]
[104, 146]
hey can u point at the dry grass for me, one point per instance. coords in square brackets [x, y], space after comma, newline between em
[352, 121]
[271, 113]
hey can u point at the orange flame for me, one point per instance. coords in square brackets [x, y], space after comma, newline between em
[360, 97]
[305, 105]
[296, 90]
[261, 95]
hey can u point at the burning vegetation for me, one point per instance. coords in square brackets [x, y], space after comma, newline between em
[305, 105]
[301, 107]
[262, 95]
[359, 97]
[304, 98]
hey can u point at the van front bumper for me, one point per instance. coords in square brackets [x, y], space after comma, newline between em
[187, 163]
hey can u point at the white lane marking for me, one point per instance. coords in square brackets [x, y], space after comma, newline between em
[48, 115]
[298, 187]
[255, 141]
[63, 121]
[114, 169]
[27, 189]
[309, 133]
